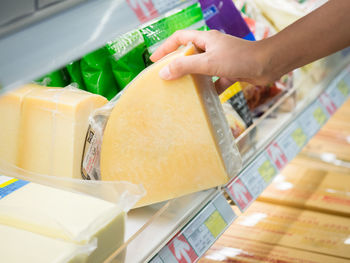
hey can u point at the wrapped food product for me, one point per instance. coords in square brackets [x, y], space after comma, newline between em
[128, 57]
[187, 17]
[74, 72]
[234, 95]
[222, 15]
[57, 78]
[97, 73]
[170, 136]
[235, 122]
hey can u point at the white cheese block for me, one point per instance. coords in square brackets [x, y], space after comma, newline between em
[19, 246]
[61, 214]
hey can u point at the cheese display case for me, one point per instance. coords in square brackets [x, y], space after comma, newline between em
[181, 229]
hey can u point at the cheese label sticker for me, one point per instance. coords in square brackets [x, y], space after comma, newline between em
[9, 185]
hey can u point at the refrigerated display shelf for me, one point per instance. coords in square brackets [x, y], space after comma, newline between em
[64, 37]
[160, 233]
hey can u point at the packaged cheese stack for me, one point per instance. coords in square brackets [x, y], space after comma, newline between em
[44, 224]
[310, 188]
[170, 136]
[43, 129]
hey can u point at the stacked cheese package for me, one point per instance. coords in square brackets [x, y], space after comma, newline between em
[42, 139]
[45, 224]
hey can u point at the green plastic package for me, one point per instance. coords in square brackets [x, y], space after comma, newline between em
[97, 73]
[57, 78]
[191, 17]
[74, 72]
[128, 57]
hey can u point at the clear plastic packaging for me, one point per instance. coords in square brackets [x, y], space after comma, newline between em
[220, 130]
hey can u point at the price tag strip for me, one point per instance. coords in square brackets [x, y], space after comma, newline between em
[199, 234]
[251, 181]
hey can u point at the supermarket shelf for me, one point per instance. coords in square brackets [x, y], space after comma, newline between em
[178, 230]
[59, 39]
[293, 131]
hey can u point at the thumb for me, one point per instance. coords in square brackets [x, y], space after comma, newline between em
[194, 64]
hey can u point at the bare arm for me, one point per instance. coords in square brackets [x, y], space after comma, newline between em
[322, 32]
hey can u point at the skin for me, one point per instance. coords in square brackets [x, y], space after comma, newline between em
[316, 35]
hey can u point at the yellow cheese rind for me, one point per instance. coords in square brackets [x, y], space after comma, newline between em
[159, 134]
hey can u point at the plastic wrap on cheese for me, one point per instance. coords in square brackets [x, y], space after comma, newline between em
[170, 136]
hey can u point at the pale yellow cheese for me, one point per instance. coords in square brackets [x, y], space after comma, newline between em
[159, 134]
[64, 215]
[54, 123]
[10, 116]
[18, 246]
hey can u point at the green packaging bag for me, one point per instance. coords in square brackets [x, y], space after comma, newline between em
[190, 17]
[57, 78]
[97, 73]
[74, 72]
[128, 57]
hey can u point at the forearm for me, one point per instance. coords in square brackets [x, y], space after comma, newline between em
[322, 32]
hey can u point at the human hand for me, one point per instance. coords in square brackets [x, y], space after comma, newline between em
[230, 58]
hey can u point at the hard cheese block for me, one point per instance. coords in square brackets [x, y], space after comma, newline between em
[311, 188]
[10, 119]
[229, 249]
[159, 134]
[18, 246]
[61, 214]
[294, 228]
[53, 126]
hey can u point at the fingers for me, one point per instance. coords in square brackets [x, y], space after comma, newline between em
[221, 84]
[179, 38]
[194, 64]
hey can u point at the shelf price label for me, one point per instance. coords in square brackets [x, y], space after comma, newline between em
[277, 155]
[343, 87]
[299, 137]
[240, 194]
[319, 116]
[328, 104]
[199, 234]
[267, 171]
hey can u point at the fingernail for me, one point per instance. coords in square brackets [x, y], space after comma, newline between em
[164, 73]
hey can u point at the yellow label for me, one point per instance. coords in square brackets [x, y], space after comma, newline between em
[299, 137]
[8, 183]
[267, 171]
[230, 92]
[343, 87]
[215, 223]
[320, 116]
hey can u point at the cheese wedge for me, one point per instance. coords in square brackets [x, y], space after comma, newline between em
[10, 118]
[162, 134]
[59, 214]
[18, 246]
[54, 123]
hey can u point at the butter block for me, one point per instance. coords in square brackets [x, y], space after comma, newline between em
[10, 119]
[294, 228]
[310, 188]
[18, 246]
[54, 123]
[229, 249]
[64, 215]
[162, 134]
